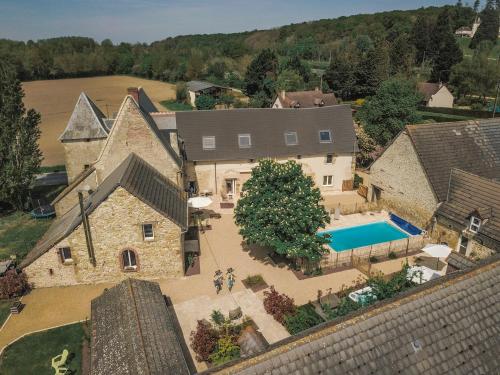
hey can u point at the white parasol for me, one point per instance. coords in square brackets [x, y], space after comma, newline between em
[199, 202]
[437, 251]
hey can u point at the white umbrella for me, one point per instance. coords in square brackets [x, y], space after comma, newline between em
[199, 202]
[437, 251]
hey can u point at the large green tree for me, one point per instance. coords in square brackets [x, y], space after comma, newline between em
[280, 208]
[20, 156]
[488, 29]
[386, 113]
[261, 76]
[340, 76]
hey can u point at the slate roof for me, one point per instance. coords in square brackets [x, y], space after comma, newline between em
[450, 325]
[139, 179]
[267, 127]
[428, 89]
[459, 261]
[307, 99]
[86, 122]
[472, 146]
[470, 194]
[200, 85]
[134, 332]
[145, 102]
[78, 179]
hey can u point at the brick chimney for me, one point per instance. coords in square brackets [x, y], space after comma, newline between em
[134, 92]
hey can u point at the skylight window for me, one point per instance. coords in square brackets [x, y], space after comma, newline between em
[244, 140]
[209, 142]
[325, 136]
[291, 139]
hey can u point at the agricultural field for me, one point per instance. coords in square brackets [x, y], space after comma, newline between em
[55, 100]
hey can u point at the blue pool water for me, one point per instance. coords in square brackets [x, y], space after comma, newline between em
[363, 235]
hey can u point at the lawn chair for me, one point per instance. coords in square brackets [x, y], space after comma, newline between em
[60, 360]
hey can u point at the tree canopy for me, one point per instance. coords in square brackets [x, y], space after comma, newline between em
[488, 29]
[20, 156]
[280, 208]
[204, 102]
[261, 76]
[393, 106]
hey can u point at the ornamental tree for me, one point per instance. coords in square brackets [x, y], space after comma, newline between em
[280, 208]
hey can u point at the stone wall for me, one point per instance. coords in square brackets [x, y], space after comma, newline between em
[80, 153]
[403, 183]
[116, 225]
[444, 232]
[67, 202]
[211, 176]
[131, 133]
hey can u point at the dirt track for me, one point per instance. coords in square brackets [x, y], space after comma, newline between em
[55, 100]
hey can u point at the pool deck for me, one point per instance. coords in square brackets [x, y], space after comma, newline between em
[357, 219]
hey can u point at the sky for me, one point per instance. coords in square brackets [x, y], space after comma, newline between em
[150, 20]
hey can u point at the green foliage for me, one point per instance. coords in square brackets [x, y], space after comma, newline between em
[217, 317]
[20, 157]
[203, 340]
[226, 350]
[295, 64]
[345, 306]
[175, 106]
[181, 92]
[227, 100]
[373, 259]
[254, 280]
[398, 283]
[488, 29]
[280, 208]
[392, 255]
[289, 80]
[304, 318]
[261, 75]
[393, 106]
[204, 102]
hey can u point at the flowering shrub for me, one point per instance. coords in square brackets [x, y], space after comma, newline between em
[203, 340]
[278, 305]
[13, 284]
[227, 349]
[304, 318]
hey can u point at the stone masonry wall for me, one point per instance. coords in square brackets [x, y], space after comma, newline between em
[116, 225]
[405, 188]
[71, 198]
[80, 153]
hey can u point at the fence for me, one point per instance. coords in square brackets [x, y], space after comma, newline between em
[381, 251]
[355, 208]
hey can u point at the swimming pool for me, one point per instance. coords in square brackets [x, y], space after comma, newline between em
[363, 235]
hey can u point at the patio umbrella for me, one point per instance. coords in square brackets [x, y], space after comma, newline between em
[437, 251]
[199, 202]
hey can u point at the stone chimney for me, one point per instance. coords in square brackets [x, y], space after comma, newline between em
[134, 92]
[283, 92]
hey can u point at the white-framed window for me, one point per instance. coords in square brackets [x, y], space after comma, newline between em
[328, 180]
[291, 138]
[208, 142]
[244, 140]
[325, 136]
[147, 232]
[65, 253]
[475, 223]
[129, 260]
[329, 159]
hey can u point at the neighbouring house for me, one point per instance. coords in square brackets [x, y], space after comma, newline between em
[95, 146]
[435, 95]
[304, 99]
[468, 32]
[133, 223]
[411, 177]
[197, 88]
[133, 331]
[469, 219]
[445, 326]
[222, 147]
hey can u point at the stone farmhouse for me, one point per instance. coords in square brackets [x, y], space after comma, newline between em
[221, 154]
[469, 219]
[435, 95]
[412, 176]
[125, 208]
[304, 99]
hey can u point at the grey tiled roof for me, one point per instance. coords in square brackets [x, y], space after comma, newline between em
[459, 261]
[133, 332]
[267, 127]
[307, 99]
[145, 103]
[472, 146]
[139, 179]
[200, 85]
[447, 326]
[470, 194]
[86, 121]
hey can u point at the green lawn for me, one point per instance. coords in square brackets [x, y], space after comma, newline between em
[4, 310]
[464, 45]
[33, 354]
[442, 117]
[19, 233]
[172, 105]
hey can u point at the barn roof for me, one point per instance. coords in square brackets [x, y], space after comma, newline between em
[307, 99]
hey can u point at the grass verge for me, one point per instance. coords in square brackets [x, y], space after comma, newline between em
[4, 310]
[19, 232]
[172, 105]
[33, 354]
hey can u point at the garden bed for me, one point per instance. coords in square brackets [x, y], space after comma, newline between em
[255, 283]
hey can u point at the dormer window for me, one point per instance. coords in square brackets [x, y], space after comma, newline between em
[291, 139]
[244, 140]
[325, 136]
[208, 142]
[475, 223]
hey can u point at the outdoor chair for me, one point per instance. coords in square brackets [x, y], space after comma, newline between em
[60, 360]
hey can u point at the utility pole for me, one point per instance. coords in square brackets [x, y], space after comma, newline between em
[496, 101]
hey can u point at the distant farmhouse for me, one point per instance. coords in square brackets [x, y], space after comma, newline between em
[468, 32]
[304, 99]
[435, 95]
[433, 167]
[125, 208]
[197, 88]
